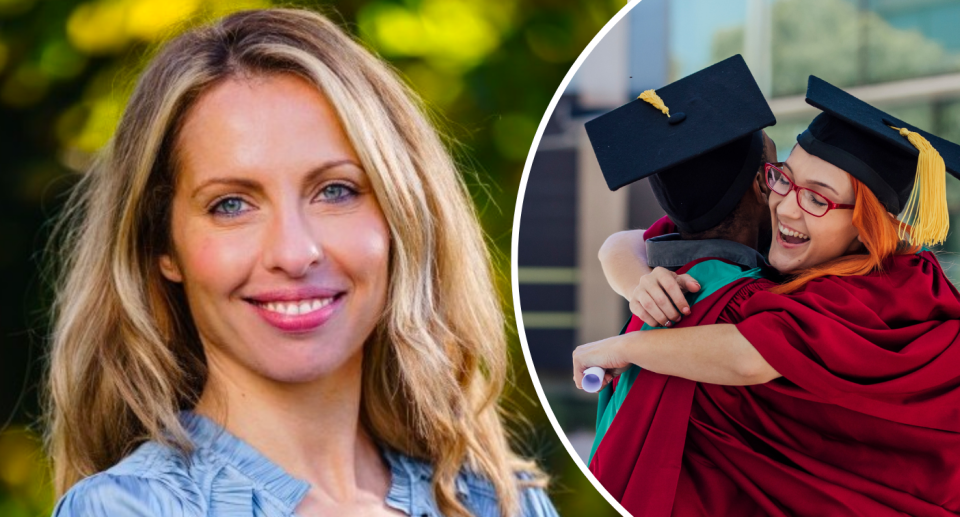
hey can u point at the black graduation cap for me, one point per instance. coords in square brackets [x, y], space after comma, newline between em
[703, 156]
[887, 155]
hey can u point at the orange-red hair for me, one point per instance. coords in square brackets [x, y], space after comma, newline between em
[878, 233]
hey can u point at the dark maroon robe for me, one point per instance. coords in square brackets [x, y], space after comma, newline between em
[864, 421]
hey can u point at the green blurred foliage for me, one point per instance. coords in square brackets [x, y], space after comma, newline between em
[487, 70]
[24, 478]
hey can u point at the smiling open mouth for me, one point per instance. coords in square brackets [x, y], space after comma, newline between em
[299, 315]
[790, 236]
[297, 307]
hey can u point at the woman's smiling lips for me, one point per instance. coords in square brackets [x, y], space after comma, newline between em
[297, 310]
[785, 232]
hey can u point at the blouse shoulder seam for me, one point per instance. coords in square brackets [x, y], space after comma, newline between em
[94, 485]
[145, 475]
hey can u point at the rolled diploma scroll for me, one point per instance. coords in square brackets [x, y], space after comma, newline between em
[592, 379]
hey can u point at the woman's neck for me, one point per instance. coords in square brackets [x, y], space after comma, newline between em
[311, 430]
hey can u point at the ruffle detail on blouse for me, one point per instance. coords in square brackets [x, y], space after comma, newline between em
[129, 495]
[409, 485]
[242, 461]
[225, 477]
[231, 495]
[411, 488]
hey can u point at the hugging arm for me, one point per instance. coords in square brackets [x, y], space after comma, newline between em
[623, 258]
[715, 354]
[657, 299]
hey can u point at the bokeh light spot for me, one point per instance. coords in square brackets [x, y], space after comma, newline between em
[102, 119]
[217, 8]
[150, 19]
[435, 86]
[454, 34]
[458, 32]
[398, 31]
[98, 28]
[23, 472]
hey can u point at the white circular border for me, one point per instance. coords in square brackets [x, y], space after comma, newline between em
[513, 256]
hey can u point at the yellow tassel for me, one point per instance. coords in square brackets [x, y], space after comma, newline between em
[654, 99]
[926, 210]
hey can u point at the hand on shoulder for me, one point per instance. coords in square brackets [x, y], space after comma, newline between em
[658, 298]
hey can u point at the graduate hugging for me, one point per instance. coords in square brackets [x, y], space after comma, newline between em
[822, 380]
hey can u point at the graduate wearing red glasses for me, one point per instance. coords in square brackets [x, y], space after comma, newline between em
[834, 393]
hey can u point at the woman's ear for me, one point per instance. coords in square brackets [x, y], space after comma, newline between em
[169, 269]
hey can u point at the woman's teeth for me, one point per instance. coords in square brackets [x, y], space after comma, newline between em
[790, 233]
[297, 308]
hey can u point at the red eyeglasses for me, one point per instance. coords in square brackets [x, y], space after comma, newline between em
[811, 201]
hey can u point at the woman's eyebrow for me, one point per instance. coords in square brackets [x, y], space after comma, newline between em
[814, 182]
[788, 167]
[250, 184]
[822, 184]
[314, 174]
[236, 182]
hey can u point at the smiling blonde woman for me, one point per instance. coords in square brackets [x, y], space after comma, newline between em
[276, 298]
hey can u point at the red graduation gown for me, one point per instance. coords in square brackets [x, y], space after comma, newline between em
[864, 421]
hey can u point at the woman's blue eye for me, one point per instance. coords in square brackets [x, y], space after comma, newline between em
[229, 206]
[336, 192]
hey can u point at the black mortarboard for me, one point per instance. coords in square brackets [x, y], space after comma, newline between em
[859, 139]
[703, 156]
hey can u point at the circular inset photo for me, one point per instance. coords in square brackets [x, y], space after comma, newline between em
[733, 258]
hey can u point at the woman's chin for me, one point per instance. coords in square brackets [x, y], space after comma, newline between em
[788, 257]
[308, 368]
[785, 261]
[297, 376]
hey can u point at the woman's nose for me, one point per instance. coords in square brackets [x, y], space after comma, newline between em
[788, 206]
[292, 245]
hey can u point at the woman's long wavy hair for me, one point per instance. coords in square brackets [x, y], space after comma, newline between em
[126, 357]
[879, 233]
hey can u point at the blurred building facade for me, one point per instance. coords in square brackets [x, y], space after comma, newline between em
[900, 55]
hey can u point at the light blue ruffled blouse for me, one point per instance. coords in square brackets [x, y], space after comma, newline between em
[226, 477]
